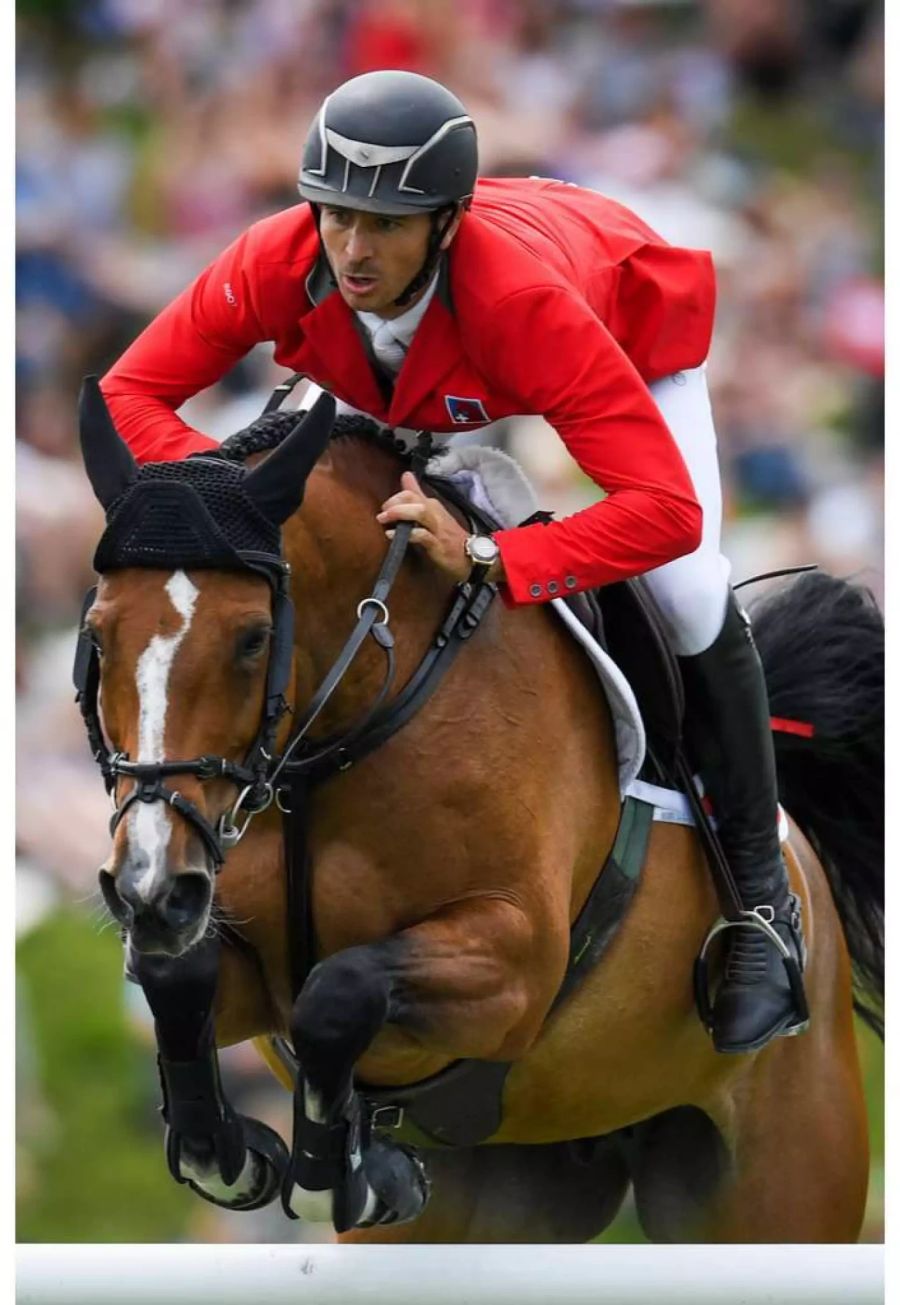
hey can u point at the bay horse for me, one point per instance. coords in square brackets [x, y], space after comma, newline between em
[447, 867]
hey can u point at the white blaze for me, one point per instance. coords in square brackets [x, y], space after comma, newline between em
[149, 828]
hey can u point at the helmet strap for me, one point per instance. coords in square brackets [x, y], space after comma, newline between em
[423, 276]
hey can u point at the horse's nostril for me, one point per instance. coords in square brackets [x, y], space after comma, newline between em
[186, 899]
[118, 908]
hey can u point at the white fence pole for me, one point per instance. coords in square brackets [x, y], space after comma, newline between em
[451, 1275]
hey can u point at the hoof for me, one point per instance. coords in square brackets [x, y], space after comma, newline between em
[259, 1181]
[389, 1186]
[399, 1181]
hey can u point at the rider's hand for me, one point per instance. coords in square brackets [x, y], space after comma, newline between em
[441, 536]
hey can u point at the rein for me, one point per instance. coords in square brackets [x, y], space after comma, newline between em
[264, 776]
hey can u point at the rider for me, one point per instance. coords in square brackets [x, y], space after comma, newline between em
[431, 301]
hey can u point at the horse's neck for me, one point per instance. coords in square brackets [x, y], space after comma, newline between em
[336, 548]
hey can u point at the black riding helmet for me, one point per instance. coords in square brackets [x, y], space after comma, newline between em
[395, 143]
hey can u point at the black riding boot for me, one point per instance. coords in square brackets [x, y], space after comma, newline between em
[730, 743]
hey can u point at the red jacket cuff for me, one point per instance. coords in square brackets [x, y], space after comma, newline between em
[522, 583]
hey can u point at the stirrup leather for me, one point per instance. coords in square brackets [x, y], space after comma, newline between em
[760, 918]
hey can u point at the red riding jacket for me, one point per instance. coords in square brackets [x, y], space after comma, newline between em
[553, 300]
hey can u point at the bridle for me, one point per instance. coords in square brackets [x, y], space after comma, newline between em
[261, 777]
[251, 776]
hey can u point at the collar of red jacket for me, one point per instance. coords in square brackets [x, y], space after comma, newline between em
[338, 338]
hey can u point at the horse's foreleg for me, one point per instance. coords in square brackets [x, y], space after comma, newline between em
[224, 1157]
[466, 982]
[338, 1171]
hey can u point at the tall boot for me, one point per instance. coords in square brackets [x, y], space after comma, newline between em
[730, 743]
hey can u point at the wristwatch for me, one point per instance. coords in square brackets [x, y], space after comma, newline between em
[483, 551]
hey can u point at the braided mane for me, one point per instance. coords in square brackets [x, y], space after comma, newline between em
[268, 431]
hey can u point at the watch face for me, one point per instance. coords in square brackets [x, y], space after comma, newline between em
[483, 549]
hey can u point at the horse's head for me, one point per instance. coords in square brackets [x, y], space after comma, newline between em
[191, 634]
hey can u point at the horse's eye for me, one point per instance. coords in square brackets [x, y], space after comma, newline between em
[253, 642]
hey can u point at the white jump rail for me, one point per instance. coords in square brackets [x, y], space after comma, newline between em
[52, 1274]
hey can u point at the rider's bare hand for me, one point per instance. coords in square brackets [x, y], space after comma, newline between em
[435, 530]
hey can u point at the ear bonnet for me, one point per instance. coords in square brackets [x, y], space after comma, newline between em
[203, 512]
[189, 514]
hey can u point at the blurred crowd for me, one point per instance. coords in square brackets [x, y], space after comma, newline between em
[150, 132]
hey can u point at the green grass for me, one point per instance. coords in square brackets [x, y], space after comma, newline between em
[872, 1058]
[93, 1156]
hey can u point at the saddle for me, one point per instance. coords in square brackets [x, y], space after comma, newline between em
[634, 636]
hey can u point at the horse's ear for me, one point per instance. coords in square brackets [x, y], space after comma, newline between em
[276, 485]
[108, 460]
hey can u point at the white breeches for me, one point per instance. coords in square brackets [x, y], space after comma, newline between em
[692, 591]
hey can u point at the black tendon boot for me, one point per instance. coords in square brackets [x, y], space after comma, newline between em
[730, 743]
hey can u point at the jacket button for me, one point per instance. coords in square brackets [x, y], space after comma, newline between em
[536, 591]
[552, 587]
[571, 582]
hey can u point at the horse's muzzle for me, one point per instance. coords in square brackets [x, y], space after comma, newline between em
[169, 917]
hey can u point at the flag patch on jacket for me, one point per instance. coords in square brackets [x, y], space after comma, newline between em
[465, 412]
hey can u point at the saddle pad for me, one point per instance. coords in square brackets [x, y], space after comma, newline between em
[497, 485]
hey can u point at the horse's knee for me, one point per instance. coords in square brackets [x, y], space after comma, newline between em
[341, 1007]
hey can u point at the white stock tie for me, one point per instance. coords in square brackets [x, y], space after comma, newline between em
[389, 351]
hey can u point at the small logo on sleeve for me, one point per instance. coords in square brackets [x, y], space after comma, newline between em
[229, 295]
[465, 412]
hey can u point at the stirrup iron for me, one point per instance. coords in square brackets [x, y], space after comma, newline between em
[760, 918]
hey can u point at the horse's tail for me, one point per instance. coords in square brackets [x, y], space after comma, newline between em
[822, 645]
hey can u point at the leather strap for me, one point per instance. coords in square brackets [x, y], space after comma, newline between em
[298, 886]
